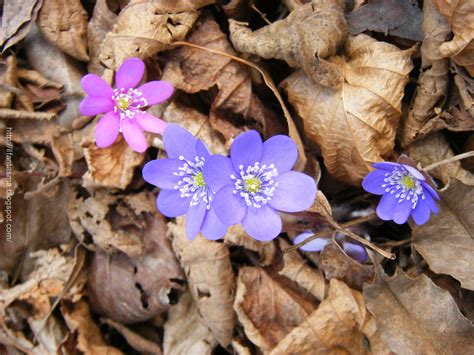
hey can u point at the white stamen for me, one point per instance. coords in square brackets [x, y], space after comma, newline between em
[394, 185]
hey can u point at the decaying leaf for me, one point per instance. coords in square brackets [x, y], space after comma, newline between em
[450, 236]
[64, 23]
[354, 124]
[416, 317]
[311, 32]
[210, 278]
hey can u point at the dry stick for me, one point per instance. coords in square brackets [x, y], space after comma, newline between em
[262, 15]
[450, 160]
[6, 113]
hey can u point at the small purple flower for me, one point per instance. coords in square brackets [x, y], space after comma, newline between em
[123, 106]
[256, 182]
[355, 251]
[404, 191]
[183, 187]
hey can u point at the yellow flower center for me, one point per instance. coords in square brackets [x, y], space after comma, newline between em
[199, 180]
[253, 185]
[123, 103]
[408, 182]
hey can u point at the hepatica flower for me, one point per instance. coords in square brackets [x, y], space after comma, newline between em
[184, 190]
[256, 182]
[123, 106]
[404, 191]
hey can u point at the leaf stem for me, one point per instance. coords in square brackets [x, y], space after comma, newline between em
[449, 160]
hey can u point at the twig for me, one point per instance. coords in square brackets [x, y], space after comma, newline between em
[450, 160]
[7, 114]
[262, 15]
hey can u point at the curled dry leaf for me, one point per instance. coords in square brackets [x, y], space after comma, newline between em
[354, 124]
[414, 316]
[433, 80]
[185, 332]
[450, 236]
[64, 24]
[311, 32]
[269, 308]
[210, 278]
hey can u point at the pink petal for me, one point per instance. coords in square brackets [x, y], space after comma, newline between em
[150, 123]
[156, 91]
[134, 135]
[92, 106]
[107, 130]
[130, 73]
[95, 86]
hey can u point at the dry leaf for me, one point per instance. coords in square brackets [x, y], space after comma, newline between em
[185, 332]
[446, 242]
[64, 24]
[8, 81]
[311, 32]
[401, 18]
[416, 317]
[268, 309]
[210, 278]
[354, 124]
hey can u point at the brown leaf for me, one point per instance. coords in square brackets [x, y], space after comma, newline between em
[394, 17]
[354, 125]
[8, 81]
[447, 241]
[210, 278]
[416, 317]
[268, 309]
[310, 32]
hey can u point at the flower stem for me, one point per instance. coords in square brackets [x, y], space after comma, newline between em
[449, 160]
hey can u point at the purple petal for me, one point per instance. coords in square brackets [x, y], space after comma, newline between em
[212, 228]
[402, 211]
[414, 172]
[92, 106]
[95, 86]
[202, 151]
[179, 142]
[229, 208]
[171, 204]
[386, 206]
[161, 173]
[130, 73]
[281, 151]
[295, 192]
[156, 91]
[386, 165]
[217, 171]
[262, 223]
[150, 123]
[194, 219]
[355, 251]
[134, 136]
[430, 190]
[314, 245]
[373, 182]
[107, 130]
[430, 202]
[246, 149]
[421, 213]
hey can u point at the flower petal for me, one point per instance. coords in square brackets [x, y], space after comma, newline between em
[201, 150]
[317, 244]
[431, 191]
[134, 135]
[281, 151]
[212, 227]
[386, 206]
[229, 208]
[246, 149]
[150, 123]
[217, 171]
[194, 219]
[179, 142]
[402, 211]
[414, 172]
[107, 130]
[171, 204]
[421, 213]
[156, 91]
[92, 106]
[355, 251]
[262, 223]
[161, 173]
[95, 86]
[385, 165]
[430, 202]
[130, 73]
[373, 182]
[295, 192]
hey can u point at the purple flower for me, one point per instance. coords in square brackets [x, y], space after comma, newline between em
[256, 182]
[183, 187]
[123, 106]
[404, 191]
[355, 251]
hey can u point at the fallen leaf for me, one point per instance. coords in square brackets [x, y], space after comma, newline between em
[416, 317]
[355, 124]
[311, 32]
[391, 17]
[8, 81]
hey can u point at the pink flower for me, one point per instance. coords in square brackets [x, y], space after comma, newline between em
[123, 106]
